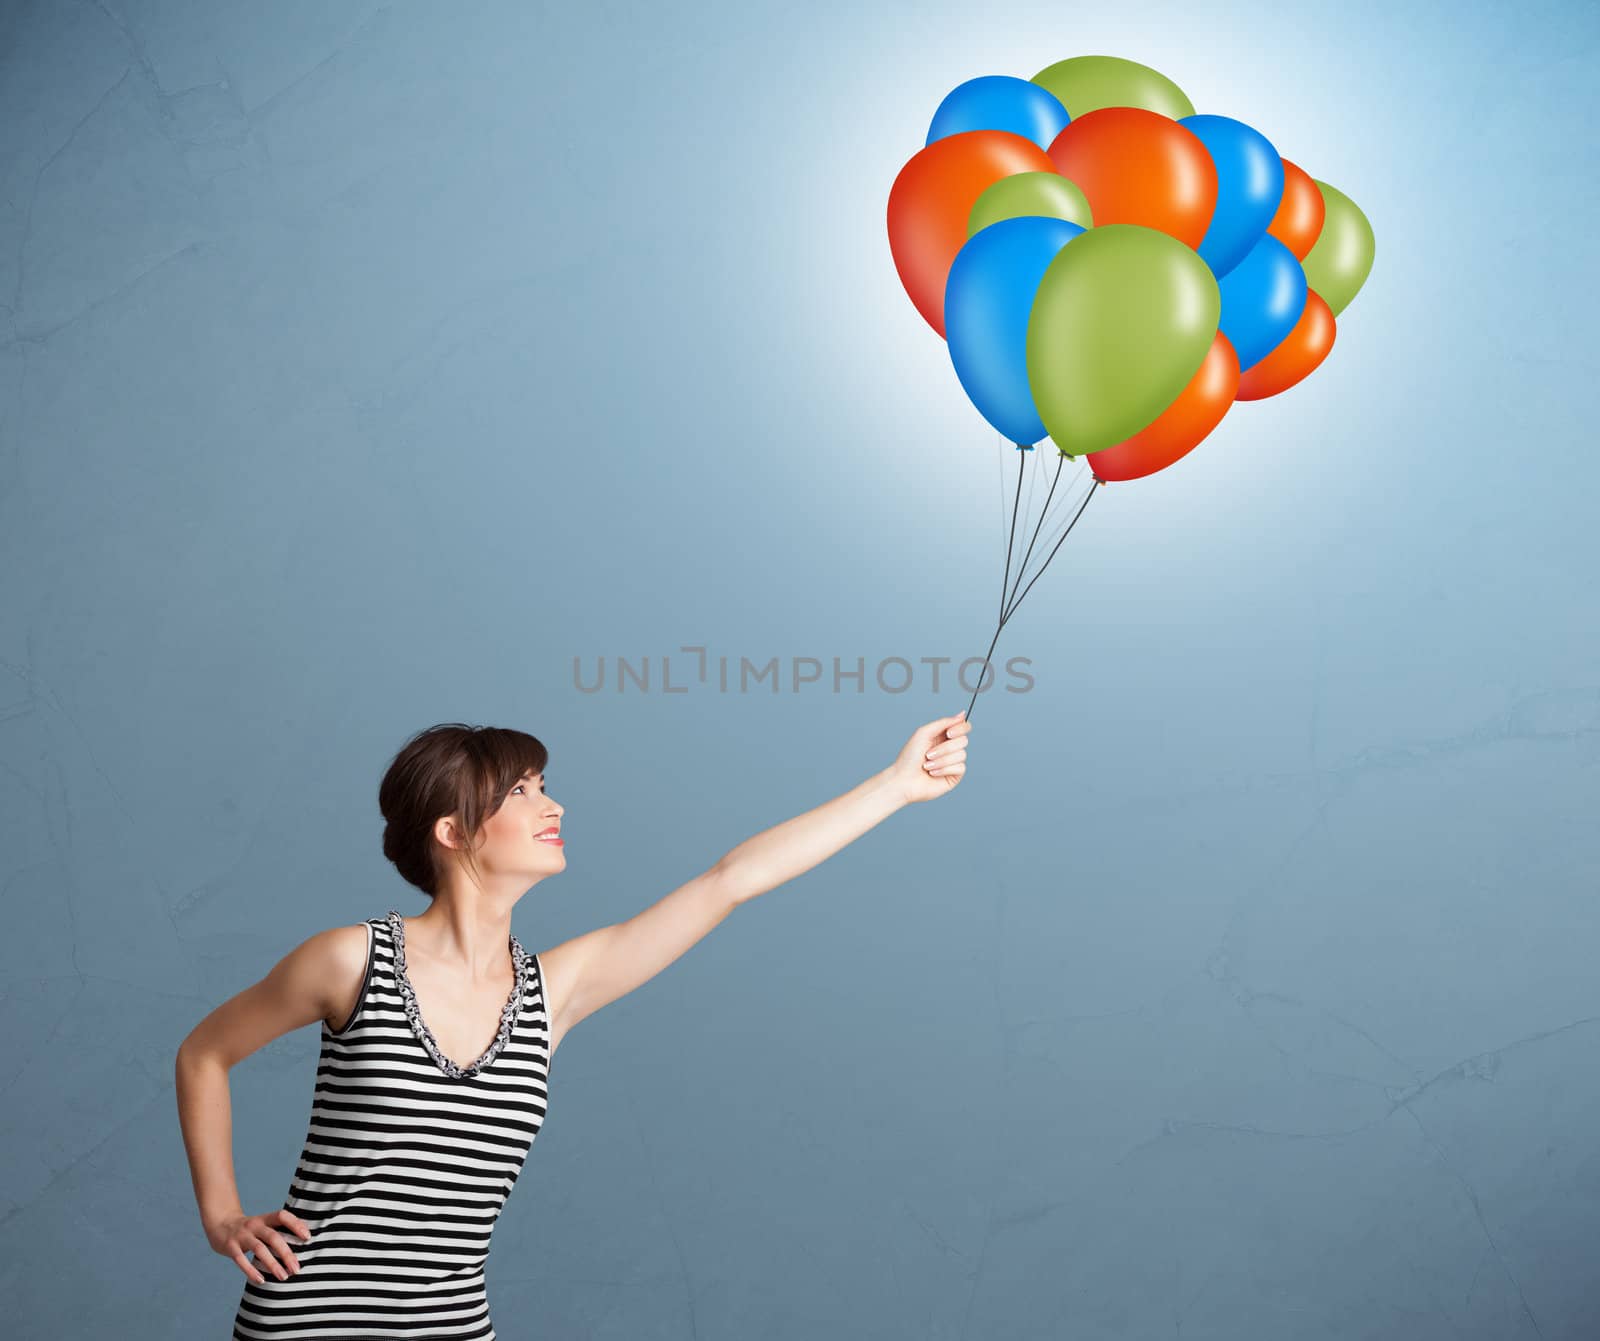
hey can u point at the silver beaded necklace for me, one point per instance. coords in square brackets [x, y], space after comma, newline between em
[419, 1026]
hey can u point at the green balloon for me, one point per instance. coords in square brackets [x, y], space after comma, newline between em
[1085, 83]
[1338, 265]
[1123, 318]
[1030, 193]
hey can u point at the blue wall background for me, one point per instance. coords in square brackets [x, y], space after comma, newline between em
[363, 365]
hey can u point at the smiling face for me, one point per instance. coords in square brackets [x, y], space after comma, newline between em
[527, 827]
[522, 838]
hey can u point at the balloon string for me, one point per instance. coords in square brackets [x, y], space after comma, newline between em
[1082, 507]
[1023, 567]
[986, 656]
[1006, 580]
[1000, 460]
[1034, 458]
[1053, 523]
[1006, 615]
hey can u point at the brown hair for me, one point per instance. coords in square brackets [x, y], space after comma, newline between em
[449, 769]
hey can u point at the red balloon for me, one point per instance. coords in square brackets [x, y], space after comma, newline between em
[1139, 167]
[932, 198]
[1300, 212]
[1297, 354]
[1179, 428]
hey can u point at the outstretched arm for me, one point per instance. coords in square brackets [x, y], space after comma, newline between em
[594, 969]
[789, 849]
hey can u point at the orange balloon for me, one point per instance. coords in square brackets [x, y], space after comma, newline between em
[1298, 221]
[1179, 428]
[1139, 167]
[932, 197]
[1296, 357]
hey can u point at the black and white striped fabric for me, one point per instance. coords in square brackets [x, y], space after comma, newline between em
[406, 1165]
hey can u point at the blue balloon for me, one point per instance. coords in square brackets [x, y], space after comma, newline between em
[1249, 188]
[1000, 102]
[988, 298]
[1262, 298]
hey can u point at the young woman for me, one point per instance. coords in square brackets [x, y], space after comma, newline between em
[438, 1030]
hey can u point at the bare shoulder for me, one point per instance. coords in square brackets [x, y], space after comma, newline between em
[328, 968]
[348, 944]
[342, 953]
[321, 978]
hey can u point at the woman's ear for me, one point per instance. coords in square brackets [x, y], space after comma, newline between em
[446, 832]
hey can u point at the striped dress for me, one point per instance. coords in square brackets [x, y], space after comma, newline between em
[407, 1162]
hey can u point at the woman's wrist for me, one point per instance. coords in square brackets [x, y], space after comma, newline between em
[210, 1218]
[887, 784]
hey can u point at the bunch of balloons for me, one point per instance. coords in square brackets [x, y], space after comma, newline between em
[1112, 270]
